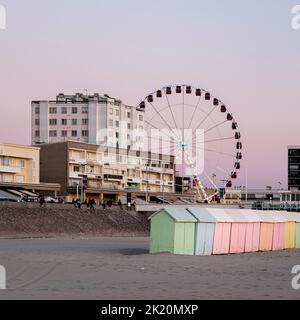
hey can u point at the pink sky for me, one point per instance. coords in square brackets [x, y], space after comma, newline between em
[248, 55]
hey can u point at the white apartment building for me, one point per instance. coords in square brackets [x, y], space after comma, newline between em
[97, 119]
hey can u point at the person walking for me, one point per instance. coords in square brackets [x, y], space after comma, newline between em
[78, 203]
[42, 201]
[120, 204]
[74, 203]
[91, 204]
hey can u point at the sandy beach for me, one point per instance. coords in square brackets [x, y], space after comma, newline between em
[121, 268]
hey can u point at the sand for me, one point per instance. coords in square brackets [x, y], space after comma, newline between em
[121, 268]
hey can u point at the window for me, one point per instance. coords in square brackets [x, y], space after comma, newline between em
[37, 122]
[20, 179]
[22, 163]
[74, 110]
[128, 126]
[52, 122]
[111, 111]
[74, 122]
[85, 121]
[52, 110]
[37, 110]
[117, 113]
[53, 133]
[76, 169]
[5, 161]
[85, 110]
[140, 117]
[64, 110]
[117, 124]
[37, 133]
[64, 133]
[128, 115]
[85, 133]
[64, 122]
[117, 135]
[74, 133]
[110, 122]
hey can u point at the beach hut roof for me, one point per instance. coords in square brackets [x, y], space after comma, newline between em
[271, 216]
[177, 214]
[210, 214]
[251, 215]
[290, 216]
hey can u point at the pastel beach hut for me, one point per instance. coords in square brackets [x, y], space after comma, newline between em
[290, 228]
[204, 230]
[272, 231]
[266, 231]
[213, 230]
[296, 218]
[290, 232]
[249, 231]
[279, 232]
[172, 229]
[238, 230]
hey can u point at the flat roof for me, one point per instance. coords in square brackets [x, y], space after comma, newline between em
[94, 147]
[20, 146]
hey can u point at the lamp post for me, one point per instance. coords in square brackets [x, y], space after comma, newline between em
[77, 190]
[83, 180]
[147, 180]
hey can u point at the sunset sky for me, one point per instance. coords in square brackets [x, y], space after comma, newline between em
[243, 51]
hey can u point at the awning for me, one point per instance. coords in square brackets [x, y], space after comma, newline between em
[8, 196]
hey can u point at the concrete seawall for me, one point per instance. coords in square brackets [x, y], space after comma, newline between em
[25, 220]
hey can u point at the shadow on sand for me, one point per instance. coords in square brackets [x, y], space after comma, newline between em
[134, 252]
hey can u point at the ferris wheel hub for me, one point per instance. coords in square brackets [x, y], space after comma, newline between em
[182, 144]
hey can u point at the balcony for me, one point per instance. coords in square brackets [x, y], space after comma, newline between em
[134, 180]
[113, 177]
[9, 169]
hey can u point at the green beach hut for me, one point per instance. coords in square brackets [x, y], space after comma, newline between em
[172, 230]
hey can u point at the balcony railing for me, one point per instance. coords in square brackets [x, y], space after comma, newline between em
[9, 169]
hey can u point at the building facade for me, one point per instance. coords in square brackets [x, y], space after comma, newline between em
[19, 164]
[20, 174]
[109, 171]
[294, 168]
[92, 119]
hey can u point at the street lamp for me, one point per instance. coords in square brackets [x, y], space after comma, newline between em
[83, 177]
[147, 180]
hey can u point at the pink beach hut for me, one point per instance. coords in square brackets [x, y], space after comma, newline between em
[238, 230]
[248, 232]
[279, 231]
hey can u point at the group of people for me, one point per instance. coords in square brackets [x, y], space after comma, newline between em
[91, 203]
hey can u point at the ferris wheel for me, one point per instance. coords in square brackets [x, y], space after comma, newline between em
[199, 131]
